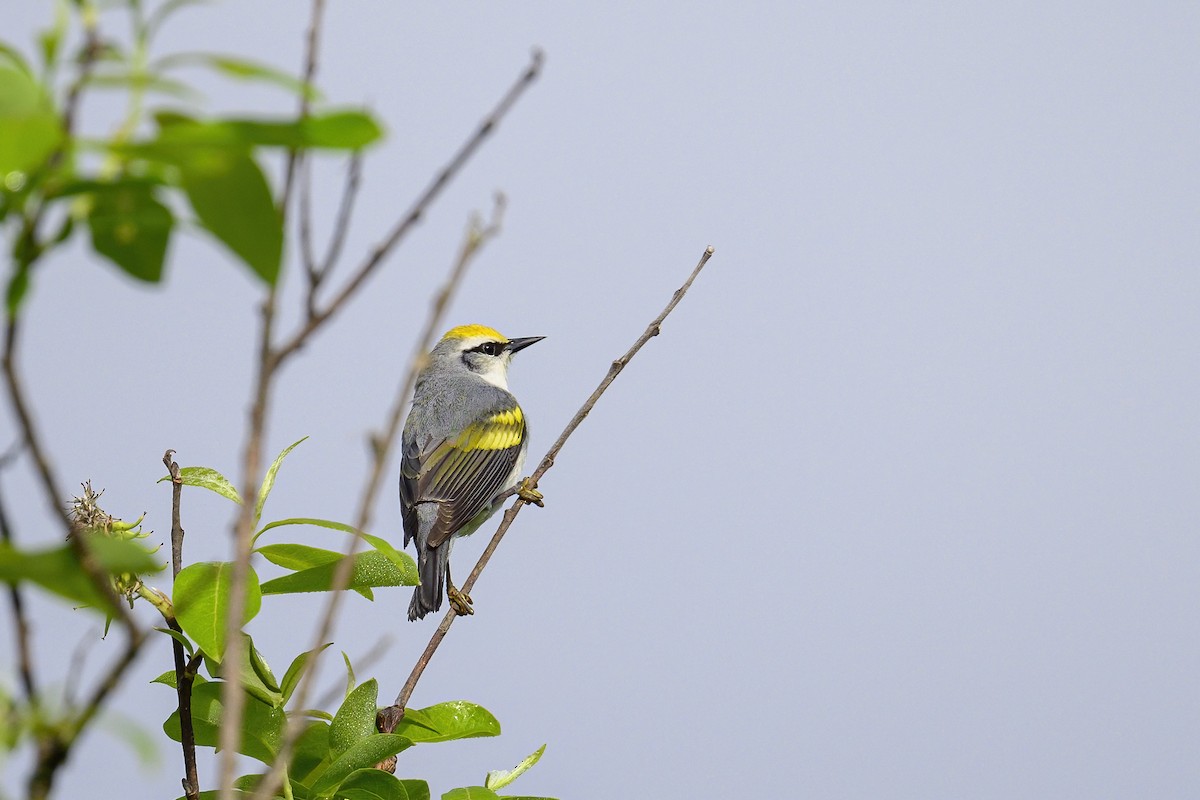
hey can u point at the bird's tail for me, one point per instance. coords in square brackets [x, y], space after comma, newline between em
[431, 564]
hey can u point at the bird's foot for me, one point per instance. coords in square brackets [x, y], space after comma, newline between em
[527, 491]
[461, 602]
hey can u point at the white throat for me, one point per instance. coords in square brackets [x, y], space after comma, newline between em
[497, 375]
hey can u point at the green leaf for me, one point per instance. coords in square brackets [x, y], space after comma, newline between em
[201, 598]
[355, 719]
[320, 523]
[297, 556]
[143, 81]
[371, 570]
[457, 719]
[207, 478]
[188, 647]
[311, 755]
[471, 793]
[402, 560]
[362, 754]
[56, 570]
[499, 778]
[18, 286]
[52, 37]
[30, 130]
[15, 59]
[168, 679]
[241, 69]
[164, 12]
[230, 195]
[349, 674]
[291, 678]
[131, 228]
[343, 130]
[256, 676]
[262, 726]
[269, 480]
[375, 784]
[117, 556]
[120, 727]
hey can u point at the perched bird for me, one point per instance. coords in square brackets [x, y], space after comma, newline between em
[464, 446]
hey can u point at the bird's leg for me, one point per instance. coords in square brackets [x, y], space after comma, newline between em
[527, 491]
[461, 602]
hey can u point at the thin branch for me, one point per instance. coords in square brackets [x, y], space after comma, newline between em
[310, 73]
[233, 698]
[476, 237]
[185, 676]
[318, 271]
[33, 440]
[345, 209]
[393, 714]
[54, 749]
[17, 600]
[414, 214]
[183, 685]
[176, 524]
[307, 257]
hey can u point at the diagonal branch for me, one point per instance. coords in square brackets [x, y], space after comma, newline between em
[416, 211]
[233, 699]
[474, 240]
[389, 717]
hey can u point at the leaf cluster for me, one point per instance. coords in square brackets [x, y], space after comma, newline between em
[132, 191]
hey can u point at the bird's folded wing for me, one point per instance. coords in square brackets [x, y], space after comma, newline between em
[463, 473]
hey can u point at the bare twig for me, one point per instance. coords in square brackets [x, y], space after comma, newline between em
[342, 223]
[176, 523]
[183, 685]
[53, 750]
[310, 73]
[233, 698]
[395, 712]
[30, 434]
[185, 677]
[24, 648]
[414, 214]
[476, 237]
[318, 271]
[307, 257]
[53, 747]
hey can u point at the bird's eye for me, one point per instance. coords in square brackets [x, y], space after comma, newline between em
[491, 348]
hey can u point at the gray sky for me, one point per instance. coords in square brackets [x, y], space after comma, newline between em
[901, 504]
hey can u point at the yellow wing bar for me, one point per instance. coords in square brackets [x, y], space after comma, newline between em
[498, 432]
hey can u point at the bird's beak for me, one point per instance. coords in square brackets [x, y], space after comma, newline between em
[520, 344]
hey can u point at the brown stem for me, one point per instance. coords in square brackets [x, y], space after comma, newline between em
[17, 600]
[233, 698]
[183, 684]
[414, 214]
[652, 330]
[474, 240]
[185, 677]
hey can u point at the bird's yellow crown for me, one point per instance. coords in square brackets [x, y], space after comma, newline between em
[467, 331]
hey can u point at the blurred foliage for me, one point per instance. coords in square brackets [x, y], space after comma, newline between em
[133, 186]
[162, 170]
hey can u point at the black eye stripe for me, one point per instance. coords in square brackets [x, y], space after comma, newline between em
[488, 348]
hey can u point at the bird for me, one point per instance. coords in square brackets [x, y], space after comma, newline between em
[463, 449]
